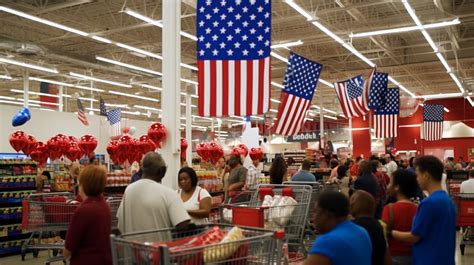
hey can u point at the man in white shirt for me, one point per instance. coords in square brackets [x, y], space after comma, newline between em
[390, 165]
[467, 186]
[253, 173]
[149, 205]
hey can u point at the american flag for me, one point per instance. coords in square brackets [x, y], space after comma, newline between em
[300, 82]
[433, 117]
[386, 118]
[80, 113]
[378, 90]
[233, 52]
[103, 109]
[114, 117]
[353, 96]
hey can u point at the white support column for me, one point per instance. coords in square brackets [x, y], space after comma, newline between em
[170, 97]
[26, 88]
[60, 99]
[189, 129]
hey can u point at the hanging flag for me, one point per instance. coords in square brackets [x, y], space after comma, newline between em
[300, 81]
[386, 118]
[81, 115]
[48, 101]
[433, 117]
[353, 96]
[103, 109]
[233, 53]
[378, 90]
[114, 117]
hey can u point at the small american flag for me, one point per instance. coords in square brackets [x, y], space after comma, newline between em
[353, 96]
[300, 82]
[378, 90]
[233, 52]
[103, 109]
[80, 113]
[433, 117]
[386, 118]
[114, 117]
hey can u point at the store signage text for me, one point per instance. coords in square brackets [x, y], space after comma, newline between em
[304, 137]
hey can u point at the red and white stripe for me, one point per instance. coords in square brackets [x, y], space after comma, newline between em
[82, 117]
[385, 126]
[352, 108]
[432, 130]
[291, 114]
[233, 87]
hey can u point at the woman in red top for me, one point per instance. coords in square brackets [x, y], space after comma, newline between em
[399, 215]
[88, 236]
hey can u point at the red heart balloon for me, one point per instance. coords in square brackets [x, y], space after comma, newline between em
[40, 153]
[244, 150]
[256, 153]
[237, 151]
[73, 139]
[184, 146]
[73, 153]
[63, 142]
[202, 151]
[87, 144]
[30, 146]
[145, 144]
[125, 143]
[18, 140]
[112, 148]
[157, 133]
[54, 148]
[215, 152]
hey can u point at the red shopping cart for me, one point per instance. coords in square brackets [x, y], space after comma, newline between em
[465, 219]
[289, 218]
[168, 246]
[46, 214]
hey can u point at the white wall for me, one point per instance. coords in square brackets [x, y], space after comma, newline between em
[45, 124]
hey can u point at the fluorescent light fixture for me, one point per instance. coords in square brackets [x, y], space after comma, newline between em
[443, 61]
[330, 111]
[189, 81]
[136, 113]
[275, 100]
[410, 126]
[189, 66]
[458, 83]
[146, 108]
[101, 39]
[441, 96]
[299, 9]
[326, 83]
[151, 87]
[330, 117]
[184, 94]
[277, 85]
[155, 22]
[257, 117]
[132, 96]
[470, 101]
[5, 77]
[184, 105]
[328, 32]
[200, 117]
[287, 44]
[27, 65]
[404, 29]
[42, 21]
[65, 84]
[273, 110]
[99, 80]
[38, 101]
[126, 65]
[18, 103]
[134, 49]
[92, 109]
[393, 80]
[7, 98]
[358, 54]
[35, 93]
[279, 57]
[122, 106]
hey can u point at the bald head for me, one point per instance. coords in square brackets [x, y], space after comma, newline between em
[154, 167]
[362, 204]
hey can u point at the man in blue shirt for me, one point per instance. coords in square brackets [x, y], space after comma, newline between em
[304, 175]
[341, 242]
[434, 228]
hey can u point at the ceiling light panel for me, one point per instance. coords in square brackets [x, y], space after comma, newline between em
[99, 80]
[65, 84]
[27, 65]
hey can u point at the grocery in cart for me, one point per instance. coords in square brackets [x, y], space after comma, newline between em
[206, 244]
[47, 214]
[276, 207]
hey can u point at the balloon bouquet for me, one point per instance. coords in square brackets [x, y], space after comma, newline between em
[56, 146]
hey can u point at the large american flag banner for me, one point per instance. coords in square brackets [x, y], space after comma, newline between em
[386, 118]
[300, 81]
[433, 117]
[378, 90]
[81, 115]
[354, 96]
[233, 51]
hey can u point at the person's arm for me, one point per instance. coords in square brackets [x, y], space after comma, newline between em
[405, 237]
[204, 209]
[236, 186]
[317, 259]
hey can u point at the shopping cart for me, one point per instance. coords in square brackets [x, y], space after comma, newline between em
[253, 214]
[165, 246]
[465, 219]
[49, 214]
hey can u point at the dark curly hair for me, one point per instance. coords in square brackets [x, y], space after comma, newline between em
[191, 173]
[406, 180]
[278, 170]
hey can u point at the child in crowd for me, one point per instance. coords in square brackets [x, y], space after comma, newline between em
[434, 228]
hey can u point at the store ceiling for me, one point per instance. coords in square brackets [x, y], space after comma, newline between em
[407, 57]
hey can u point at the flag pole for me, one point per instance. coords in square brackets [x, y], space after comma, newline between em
[26, 88]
